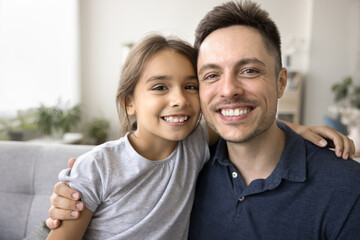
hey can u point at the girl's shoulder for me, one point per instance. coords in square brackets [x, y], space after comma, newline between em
[199, 135]
[107, 151]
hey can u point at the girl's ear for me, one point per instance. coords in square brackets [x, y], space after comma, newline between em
[130, 105]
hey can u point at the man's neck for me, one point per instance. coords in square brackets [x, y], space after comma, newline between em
[257, 158]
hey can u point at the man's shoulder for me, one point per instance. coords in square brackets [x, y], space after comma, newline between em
[324, 162]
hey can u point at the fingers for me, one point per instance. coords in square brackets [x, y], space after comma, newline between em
[62, 207]
[349, 148]
[344, 146]
[63, 190]
[52, 223]
[71, 162]
[61, 214]
[309, 133]
[66, 204]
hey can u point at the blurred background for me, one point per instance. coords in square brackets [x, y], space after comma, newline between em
[61, 59]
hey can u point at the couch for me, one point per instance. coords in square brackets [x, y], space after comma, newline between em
[28, 172]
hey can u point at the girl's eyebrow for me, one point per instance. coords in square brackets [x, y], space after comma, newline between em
[192, 77]
[166, 77]
[158, 77]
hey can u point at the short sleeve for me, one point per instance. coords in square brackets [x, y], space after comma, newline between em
[86, 178]
[198, 143]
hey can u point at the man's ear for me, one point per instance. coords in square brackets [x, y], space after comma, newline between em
[130, 105]
[281, 82]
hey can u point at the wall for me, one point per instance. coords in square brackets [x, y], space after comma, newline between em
[38, 53]
[107, 24]
[43, 47]
[334, 53]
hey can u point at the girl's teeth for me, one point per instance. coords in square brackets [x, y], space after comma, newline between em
[233, 113]
[176, 119]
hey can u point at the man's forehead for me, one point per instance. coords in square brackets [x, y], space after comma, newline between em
[232, 44]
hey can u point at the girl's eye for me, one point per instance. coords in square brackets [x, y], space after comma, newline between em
[192, 87]
[159, 88]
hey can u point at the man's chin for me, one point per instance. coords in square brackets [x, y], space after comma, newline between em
[238, 139]
[234, 136]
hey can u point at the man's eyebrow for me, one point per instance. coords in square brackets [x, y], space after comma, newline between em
[208, 66]
[239, 63]
[250, 60]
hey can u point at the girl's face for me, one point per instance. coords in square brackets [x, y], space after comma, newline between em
[166, 98]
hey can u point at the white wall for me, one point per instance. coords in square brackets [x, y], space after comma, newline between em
[334, 53]
[38, 53]
[107, 24]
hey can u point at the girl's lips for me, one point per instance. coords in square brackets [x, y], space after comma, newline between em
[176, 118]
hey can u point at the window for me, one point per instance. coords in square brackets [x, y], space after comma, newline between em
[39, 60]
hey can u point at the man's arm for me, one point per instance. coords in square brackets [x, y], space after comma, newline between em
[66, 205]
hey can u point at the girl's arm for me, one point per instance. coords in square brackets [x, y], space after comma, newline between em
[344, 146]
[323, 136]
[72, 229]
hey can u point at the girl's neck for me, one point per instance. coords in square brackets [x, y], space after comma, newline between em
[154, 150]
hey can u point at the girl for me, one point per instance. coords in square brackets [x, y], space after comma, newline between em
[142, 185]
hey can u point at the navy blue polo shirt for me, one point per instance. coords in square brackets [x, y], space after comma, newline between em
[311, 194]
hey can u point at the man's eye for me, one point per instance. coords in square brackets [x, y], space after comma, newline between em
[249, 71]
[159, 88]
[210, 76]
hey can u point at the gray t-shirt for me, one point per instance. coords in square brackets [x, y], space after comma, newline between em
[135, 198]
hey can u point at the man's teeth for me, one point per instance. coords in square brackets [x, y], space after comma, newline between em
[176, 119]
[234, 112]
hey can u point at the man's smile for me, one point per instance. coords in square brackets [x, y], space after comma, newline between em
[235, 112]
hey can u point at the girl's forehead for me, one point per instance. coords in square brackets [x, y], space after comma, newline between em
[168, 62]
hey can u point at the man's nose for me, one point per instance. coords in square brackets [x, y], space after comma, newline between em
[231, 86]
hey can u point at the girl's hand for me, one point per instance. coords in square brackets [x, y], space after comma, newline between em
[324, 136]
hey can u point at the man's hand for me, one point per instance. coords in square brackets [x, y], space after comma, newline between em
[65, 203]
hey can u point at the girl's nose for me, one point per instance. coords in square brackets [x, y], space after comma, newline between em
[178, 98]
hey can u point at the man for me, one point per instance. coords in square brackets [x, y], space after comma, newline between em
[263, 181]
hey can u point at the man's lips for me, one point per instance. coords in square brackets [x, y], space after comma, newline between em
[235, 112]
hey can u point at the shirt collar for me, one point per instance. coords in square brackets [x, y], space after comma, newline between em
[292, 164]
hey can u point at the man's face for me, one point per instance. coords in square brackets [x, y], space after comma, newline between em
[238, 84]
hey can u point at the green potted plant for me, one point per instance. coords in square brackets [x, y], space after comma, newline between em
[98, 129]
[21, 127]
[347, 107]
[347, 93]
[57, 120]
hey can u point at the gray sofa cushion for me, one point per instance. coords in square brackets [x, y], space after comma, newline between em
[28, 173]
